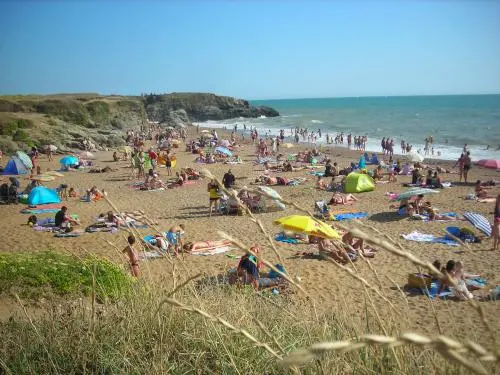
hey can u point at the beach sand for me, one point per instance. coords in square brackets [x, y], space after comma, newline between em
[327, 284]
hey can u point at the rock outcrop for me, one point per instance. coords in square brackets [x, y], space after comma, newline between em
[202, 107]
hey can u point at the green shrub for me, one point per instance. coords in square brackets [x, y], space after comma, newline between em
[32, 272]
[21, 136]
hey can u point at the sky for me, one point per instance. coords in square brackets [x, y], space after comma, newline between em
[251, 49]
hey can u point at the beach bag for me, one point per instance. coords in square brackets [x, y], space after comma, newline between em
[419, 280]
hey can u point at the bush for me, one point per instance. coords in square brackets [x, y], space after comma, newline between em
[31, 273]
[117, 123]
[21, 136]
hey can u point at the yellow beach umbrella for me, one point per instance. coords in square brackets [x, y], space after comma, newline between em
[308, 225]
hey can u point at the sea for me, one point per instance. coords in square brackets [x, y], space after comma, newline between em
[452, 121]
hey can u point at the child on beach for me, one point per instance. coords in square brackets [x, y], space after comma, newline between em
[132, 256]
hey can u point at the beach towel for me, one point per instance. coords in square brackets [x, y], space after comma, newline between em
[213, 251]
[70, 234]
[317, 173]
[421, 237]
[348, 216]
[150, 255]
[475, 283]
[479, 221]
[282, 238]
[39, 211]
[296, 181]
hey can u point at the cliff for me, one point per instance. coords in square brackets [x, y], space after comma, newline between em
[66, 119]
[202, 107]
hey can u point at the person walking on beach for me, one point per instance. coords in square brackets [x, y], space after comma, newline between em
[496, 224]
[228, 179]
[213, 195]
[467, 165]
[132, 256]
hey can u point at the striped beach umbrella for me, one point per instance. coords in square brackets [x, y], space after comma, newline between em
[25, 159]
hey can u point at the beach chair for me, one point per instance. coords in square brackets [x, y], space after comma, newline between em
[321, 209]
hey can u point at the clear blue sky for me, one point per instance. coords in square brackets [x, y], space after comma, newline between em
[253, 49]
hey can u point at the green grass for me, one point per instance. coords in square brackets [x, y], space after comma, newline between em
[34, 273]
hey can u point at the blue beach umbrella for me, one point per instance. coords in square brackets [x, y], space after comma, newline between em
[223, 150]
[69, 160]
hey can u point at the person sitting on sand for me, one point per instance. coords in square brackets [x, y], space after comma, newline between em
[358, 245]
[428, 178]
[247, 272]
[328, 250]
[434, 214]
[62, 220]
[115, 156]
[320, 184]
[174, 237]
[179, 179]
[378, 173]
[72, 192]
[480, 190]
[112, 219]
[132, 256]
[287, 166]
[436, 181]
[92, 194]
[340, 198]
[416, 176]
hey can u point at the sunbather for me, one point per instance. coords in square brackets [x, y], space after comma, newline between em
[357, 245]
[340, 198]
[480, 190]
[328, 250]
[320, 184]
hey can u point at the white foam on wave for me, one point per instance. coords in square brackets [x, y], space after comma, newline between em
[316, 121]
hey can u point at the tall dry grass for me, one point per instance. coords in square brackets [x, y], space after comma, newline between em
[196, 325]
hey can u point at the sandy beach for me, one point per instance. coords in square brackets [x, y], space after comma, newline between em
[326, 283]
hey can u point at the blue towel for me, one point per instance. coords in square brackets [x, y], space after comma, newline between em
[281, 238]
[349, 216]
[317, 173]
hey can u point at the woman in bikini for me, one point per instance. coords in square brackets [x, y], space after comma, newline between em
[340, 198]
[132, 256]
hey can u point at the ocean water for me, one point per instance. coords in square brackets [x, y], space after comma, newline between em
[452, 121]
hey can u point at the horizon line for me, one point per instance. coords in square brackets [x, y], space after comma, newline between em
[374, 96]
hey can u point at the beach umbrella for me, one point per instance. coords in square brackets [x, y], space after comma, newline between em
[288, 145]
[489, 163]
[69, 160]
[25, 159]
[415, 157]
[50, 148]
[274, 196]
[225, 143]
[223, 150]
[414, 192]
[86, 155]
[205, 131]
[308, 225]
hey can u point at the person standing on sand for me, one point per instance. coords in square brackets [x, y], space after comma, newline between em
[213, 195]
[228, 179]
[496, 224]
[132, 256]
[467, 165]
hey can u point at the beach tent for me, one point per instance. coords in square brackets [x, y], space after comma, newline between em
[489, 163]
[69, 160]
[15, 166]
[43, 195]
[415, 157]
[358, 183]
[271, 199]
[25, 159]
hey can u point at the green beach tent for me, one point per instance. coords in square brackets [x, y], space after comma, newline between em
[358, 183]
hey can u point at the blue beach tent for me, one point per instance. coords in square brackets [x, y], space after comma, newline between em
[14, 167]
[43, 195]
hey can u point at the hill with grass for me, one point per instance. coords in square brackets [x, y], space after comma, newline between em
[65, 120]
